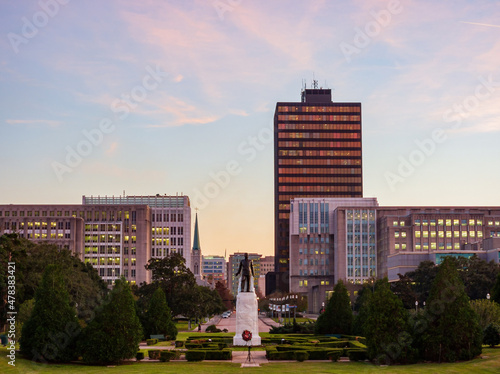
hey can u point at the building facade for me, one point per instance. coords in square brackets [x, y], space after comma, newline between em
[233, 266]
[117, 235]
[317, 153]
[214, 269]
[355, 240]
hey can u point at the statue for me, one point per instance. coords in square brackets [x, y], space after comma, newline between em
[245, 268]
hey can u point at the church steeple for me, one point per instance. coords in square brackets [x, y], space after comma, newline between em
[196, 241]
[196, 257]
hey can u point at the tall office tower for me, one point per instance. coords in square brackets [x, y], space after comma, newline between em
[317, 153]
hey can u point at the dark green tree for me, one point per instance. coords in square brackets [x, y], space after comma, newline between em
[478, 276]
[115, 332]
[487, 311]
[361, 306]
[405, 289]
[387, 328]
[337, 317]
[453, 331]
[492, 335]
[86, 289]
[50, 332]
[158, 319]
[495, 291]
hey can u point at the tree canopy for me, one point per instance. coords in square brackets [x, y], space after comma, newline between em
[50, 332]
[337, 317]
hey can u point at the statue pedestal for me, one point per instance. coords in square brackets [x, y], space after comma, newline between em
[247, 318]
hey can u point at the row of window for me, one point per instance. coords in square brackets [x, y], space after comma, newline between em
[321, 153]
[312, 239]
[363, 272]
[320, 126]
[316, 144]
[321, 108]
[46, 236]
[314, 261]
[109, 238]
[37, 225]
[89, 215]
[318, 117]
[331, 180]
[318, 162]
[336, 189]
[310, 170]
[449, 222]
[163, 252]
[313, 272]
[165, 217]
[167, 241]
[442, 234]
[167, 230]
[316, 135]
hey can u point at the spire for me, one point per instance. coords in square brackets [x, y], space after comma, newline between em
[196, 241]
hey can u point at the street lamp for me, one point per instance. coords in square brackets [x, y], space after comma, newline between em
[416, 305]
[488, 296]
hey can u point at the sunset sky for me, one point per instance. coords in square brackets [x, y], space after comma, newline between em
[172, 95]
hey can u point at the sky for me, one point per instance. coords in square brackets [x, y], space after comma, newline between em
[178, 97]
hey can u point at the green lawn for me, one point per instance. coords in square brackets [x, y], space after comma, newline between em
[490, 363]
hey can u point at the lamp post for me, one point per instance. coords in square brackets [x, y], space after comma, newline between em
[488, 296]
[416, 306]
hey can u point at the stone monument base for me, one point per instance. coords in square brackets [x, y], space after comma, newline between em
[247, 318]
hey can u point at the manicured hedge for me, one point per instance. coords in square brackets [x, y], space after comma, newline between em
[225, 354]
[356, 344]
[357, 354]
[195, 355]
[154, 354]
[283, 355]
[334, 344]
[179, 343]
[301, 355]
[334, 355]
[139, 356]
[209, 346]
[151, 341]
[166, 356]
[193, 346]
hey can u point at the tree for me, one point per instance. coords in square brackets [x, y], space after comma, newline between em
[404, 288]
[337, 318]
[387, 328]
[487, 311]
[86, 289]
[225, 294]
[477, 275]
[50, 332]
[24, 314]
[361, 306]
[177, 281]
[492, 335]
[157, 319]
[453, 331]
[495, 291]
[115, 332]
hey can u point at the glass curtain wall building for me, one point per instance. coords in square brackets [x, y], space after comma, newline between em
[317, 153]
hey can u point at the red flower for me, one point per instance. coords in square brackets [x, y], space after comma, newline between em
[246, 335]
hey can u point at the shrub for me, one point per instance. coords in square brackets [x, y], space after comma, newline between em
[154, 354]
[283, 355]
[270, 349]
[151, 341]
[166, 356]
[301, 356]
[212, 328]
[337, 317]
[225, 354]
[195, 355]
[491, 335]
[193, 346]
[139, 356]
[334, 355]
[179, 343]
[357, 354]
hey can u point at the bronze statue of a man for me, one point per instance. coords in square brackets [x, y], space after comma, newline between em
[245, 268]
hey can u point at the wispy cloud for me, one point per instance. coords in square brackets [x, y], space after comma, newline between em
[34, 122]
[480, 24]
